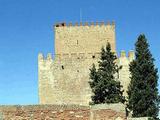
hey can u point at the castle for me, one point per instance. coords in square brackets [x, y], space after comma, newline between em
[64, 91]
[63, 78]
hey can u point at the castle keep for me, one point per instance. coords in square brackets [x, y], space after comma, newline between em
[64, 91]
[63, 77]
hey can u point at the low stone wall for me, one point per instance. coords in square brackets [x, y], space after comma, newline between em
[107, 112]
[141, 118]
[61, 112]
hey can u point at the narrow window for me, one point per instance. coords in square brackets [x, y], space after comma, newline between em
[62, 67]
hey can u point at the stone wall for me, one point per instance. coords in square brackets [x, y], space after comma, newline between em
[63, 79]
[124, 74]
[140, 118]
[83, 38]
[107, 112]
[61, 112]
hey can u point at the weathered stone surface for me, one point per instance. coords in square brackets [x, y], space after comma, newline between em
[60, 112]
[107, 112]
[140, 118]
[64, 78]
[83, 39]
[124, 74]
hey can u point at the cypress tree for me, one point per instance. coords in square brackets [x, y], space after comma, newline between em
[105, 87]
[143, 99]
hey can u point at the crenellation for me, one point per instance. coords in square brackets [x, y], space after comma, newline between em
[49, 56]
[131, 55]
[56, 25]
[81, 24]
[64, 78]
[92, 23]
[64, 24]
[95, 55]
[40, 57]
[123, 53]
[102, 23]
[97, 23]
[113, 23]
[108, 23]
[65, 56]
[70, 24]
[57, 56]
[86, 24]
[76, 24]
[124, 74]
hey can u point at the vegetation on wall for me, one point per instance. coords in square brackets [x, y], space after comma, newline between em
[105, 86]
[143, 99]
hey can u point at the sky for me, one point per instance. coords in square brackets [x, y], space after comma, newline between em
[26, 29]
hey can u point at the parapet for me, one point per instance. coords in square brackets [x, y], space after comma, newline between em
[123, 53]
[131, 55]
[73, 56]
[49, 56]
[70, 56]
[41, 57]
[64, 24]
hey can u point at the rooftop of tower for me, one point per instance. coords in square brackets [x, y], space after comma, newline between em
[63, 24]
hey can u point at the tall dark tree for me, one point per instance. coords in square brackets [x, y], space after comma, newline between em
[105, 87]
[143, 99]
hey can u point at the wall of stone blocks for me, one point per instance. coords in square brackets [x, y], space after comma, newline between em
[59, 112]
[63, 79]
[105, 111]
[83, 38]
[124, 74]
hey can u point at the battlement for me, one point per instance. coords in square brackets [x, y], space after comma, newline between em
[83, 37]
[131, 54]
[49, 57]
[64, 75]
[64, 56]
[64, 24]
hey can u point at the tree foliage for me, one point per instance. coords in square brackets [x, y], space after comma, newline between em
[105, 87]
[143, 99]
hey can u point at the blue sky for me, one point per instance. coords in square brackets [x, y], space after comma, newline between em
[26, 28]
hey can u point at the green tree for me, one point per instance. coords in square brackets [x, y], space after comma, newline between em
[105, 87]
[143, 99]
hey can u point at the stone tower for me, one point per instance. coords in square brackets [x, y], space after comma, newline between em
[64, 78]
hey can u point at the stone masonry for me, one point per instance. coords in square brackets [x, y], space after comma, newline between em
[63, 112]
[63, 79]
